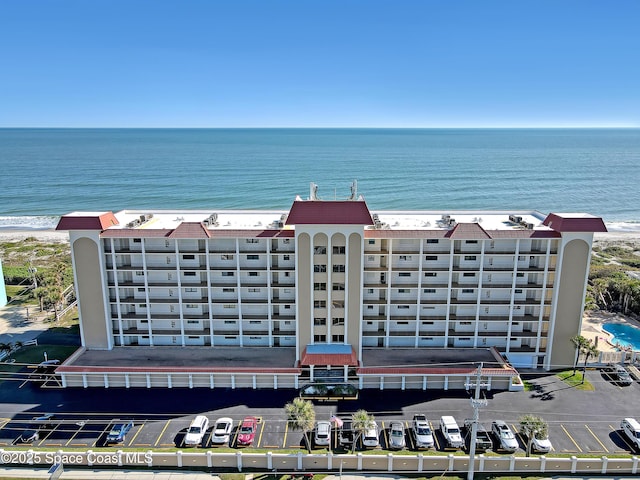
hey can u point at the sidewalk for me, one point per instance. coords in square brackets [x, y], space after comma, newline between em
[82, 474]
[16, 327]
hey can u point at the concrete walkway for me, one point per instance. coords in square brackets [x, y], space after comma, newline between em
[16, 326]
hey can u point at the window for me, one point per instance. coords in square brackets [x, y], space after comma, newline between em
[137, 240]
[191, 305]
[254, 322]
[253, 257]
[319, 338]
[465, 323]
[166, 243]
[144, 321]
[286, 257]
[319, 304]
[520, 274]
[337, 321]
[142, 305]
[320, 250]
[286, 241]
[369, 307]
[468, 290]
[228, 290]
[404, 290]
[228, 274]
[226, 257]
[370, 290]
[254, 274]
[469, 274]
[432, 240]
[139, 273]
[189, 274]
[431, 258]
[254, 290]
[320, 286]
[319, 268]
[371, 258]
[251, 240]
[287, 307]
[141, 289]
[372, 242]
[338, 304]
[403, 307]
[287, 290]
[430, 274]
[402, 323]
[521, 258]
[338, 268]
[229, 305]
[190, 290]
[405, 257]
[230, 337]
[188, 257]
[429, 290]
[338, 286]
[255, 338]
[469, 258]
[404, 274]
[427, 323]
[471, 242]
[286, 274]
[337, 338]
[319, 321]
[518, 290]
[338, 250]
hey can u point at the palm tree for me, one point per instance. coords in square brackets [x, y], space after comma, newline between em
[532, 426]
[361, 421]
[585, 347]
[301, 416]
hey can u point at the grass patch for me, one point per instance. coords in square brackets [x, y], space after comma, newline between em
[528, 386]
[34, 354]
[576, 381]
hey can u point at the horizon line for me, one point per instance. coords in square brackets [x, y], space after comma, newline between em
[550, 127]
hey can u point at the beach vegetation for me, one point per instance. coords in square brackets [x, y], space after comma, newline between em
[610, 287]
[301, 415]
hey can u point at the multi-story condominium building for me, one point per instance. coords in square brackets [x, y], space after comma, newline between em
[326, 289]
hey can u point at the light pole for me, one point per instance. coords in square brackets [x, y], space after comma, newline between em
[476, 403]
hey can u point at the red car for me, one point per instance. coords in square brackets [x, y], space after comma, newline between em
[247, 431]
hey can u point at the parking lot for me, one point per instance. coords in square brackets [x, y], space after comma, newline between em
[579, 422]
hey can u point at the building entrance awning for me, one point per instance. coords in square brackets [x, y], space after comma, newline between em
[329, 354]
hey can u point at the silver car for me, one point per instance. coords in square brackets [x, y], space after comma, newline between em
[506, 439]
[396, 436]
[422, 432]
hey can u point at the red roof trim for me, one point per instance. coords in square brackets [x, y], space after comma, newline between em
[329, 358]
[563, 222]
[321, 212]
[190, 230]
[468, 230]
[101, 369]
[87, 222]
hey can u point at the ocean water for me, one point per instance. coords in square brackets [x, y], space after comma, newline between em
[49, 172]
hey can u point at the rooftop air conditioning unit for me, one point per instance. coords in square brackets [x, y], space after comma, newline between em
[529, 226]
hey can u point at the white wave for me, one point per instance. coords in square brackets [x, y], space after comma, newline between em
[43, 222]
[623, 226]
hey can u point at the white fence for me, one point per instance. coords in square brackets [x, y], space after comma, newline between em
[300, 462]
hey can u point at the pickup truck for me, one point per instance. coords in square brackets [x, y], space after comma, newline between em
[451, 432]
[483, 440]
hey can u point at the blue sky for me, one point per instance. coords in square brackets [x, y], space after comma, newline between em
[304, 63]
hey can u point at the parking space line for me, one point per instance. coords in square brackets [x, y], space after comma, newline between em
[48, 435]
[597, 439]
[409, 436]
[261, 423]
[76, 433]
[162, 432]
[571, 438]
[235, 436]
[136, 435]
[435, 436]
[286, 431]
[101, 434]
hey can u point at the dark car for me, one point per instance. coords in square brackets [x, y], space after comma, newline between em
[32, 432]
[119, 432]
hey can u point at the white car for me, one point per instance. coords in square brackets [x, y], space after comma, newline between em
[540, 445]
[370, 439]
[422, 432]
[322, 436]
[222, 431]
[506, 439]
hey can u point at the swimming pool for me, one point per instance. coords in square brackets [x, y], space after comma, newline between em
[624, 334]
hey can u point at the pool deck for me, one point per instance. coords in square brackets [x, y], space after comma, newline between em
[592, 328]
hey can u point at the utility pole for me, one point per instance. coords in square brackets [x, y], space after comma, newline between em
[476, 403]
